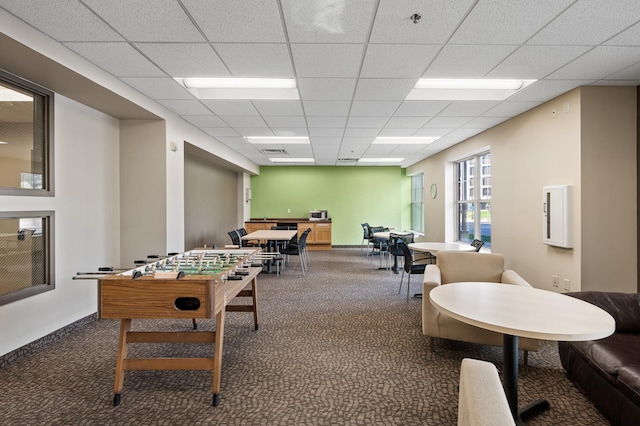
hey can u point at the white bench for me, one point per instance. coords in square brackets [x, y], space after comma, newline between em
[481, 400]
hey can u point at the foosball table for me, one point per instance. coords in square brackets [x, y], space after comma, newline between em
[191, 285]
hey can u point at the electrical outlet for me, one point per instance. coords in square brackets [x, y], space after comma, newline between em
[567, 284]
[555, 280]
[565, 107]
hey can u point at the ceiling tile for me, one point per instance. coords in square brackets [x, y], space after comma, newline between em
[315, 89]
[119, 59]
[589, 23]
[185, 59]
[467, 61]
[185, 107]
[397, 60]
[510, 109]
[244, 121]
[231, 107]
[325, 131]
[535, 62]
[543, 90]
[327, 60]
[428, 131]
[603, 60]
[510, 22]
[371, 89]
[289, 131]
[361, 132]
[206, 121]
[629, 37]
[438, 20]
[256, 60]
[421, 108]
[328, 21]
[285, 121]
[158, 87]
[322, 121]
[237, 21]
[374, 108]
[80, 23]
[442, 122]
[404, 122]
[220, 131]
[326, 108]
[278, 107]
[147, 20]
[367, 122]
[467, 108]
[397, 131]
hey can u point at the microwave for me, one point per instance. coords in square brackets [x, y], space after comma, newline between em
[318, 215]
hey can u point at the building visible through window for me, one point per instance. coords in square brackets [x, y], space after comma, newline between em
[473, 204]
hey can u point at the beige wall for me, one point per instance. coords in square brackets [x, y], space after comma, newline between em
[534, 150]
[609, 191]
[210, 198]
[143, 195]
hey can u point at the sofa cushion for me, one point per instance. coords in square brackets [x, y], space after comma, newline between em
[470, 266]
[610, 354]
[629, 382]
[623, 307]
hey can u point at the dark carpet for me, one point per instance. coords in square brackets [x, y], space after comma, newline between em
[339, 346]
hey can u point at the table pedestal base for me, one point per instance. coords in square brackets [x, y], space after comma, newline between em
[510, 383]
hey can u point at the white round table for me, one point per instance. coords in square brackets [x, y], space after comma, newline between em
[433, 247]
[522, 311]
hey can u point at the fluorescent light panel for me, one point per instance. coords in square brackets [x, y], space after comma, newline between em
[380, 160]
[239, 83]
[466, 89]
[401, 140]
[241, 88]
[291, 160]
[280, 140]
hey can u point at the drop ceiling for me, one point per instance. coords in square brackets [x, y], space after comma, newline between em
[354, 61]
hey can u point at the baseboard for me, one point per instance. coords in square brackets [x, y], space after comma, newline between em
[40, 343]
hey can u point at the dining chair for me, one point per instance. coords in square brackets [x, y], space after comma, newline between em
[299, 250]
[235, 238]
[410, 267]
[365, 235]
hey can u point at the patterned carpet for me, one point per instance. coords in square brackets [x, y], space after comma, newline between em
[337, 347]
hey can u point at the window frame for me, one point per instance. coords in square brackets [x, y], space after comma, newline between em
[417, 203]
[47, 136]
[49, 261]
[479, 196]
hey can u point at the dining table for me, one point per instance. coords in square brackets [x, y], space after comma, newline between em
[272, 236]
[519, 311]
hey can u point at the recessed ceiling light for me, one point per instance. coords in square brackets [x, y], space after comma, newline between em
[401, 140]
[280, 140]
[380, 160]
[241, 88]
[466, 89]
[291, 160]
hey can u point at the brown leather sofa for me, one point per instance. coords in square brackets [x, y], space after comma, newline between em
[608, 370]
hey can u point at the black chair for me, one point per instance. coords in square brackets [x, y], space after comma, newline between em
[252, 243]
[394, 250]
[477, 244]
[365, 235]
[298, 249]
[377, 243]
[410, 267]
[235, 238]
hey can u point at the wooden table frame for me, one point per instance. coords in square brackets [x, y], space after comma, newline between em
[122, 297]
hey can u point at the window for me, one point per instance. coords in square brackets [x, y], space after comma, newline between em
[26, 148]
[26, 254]
[417, 203]
[473, 204]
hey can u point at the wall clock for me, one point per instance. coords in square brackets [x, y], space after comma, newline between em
[433, 190]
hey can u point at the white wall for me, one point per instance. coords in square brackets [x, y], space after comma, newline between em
[87, 224]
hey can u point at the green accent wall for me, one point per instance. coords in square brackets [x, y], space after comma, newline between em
[352, 195]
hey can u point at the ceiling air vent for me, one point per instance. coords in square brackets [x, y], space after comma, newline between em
[273, 151]
[347, 160]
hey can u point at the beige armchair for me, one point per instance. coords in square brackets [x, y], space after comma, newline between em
[454, 267]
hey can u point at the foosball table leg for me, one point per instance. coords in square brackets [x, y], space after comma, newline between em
[125, 326]
[116, 399]
[195, 324]
[216, 400]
